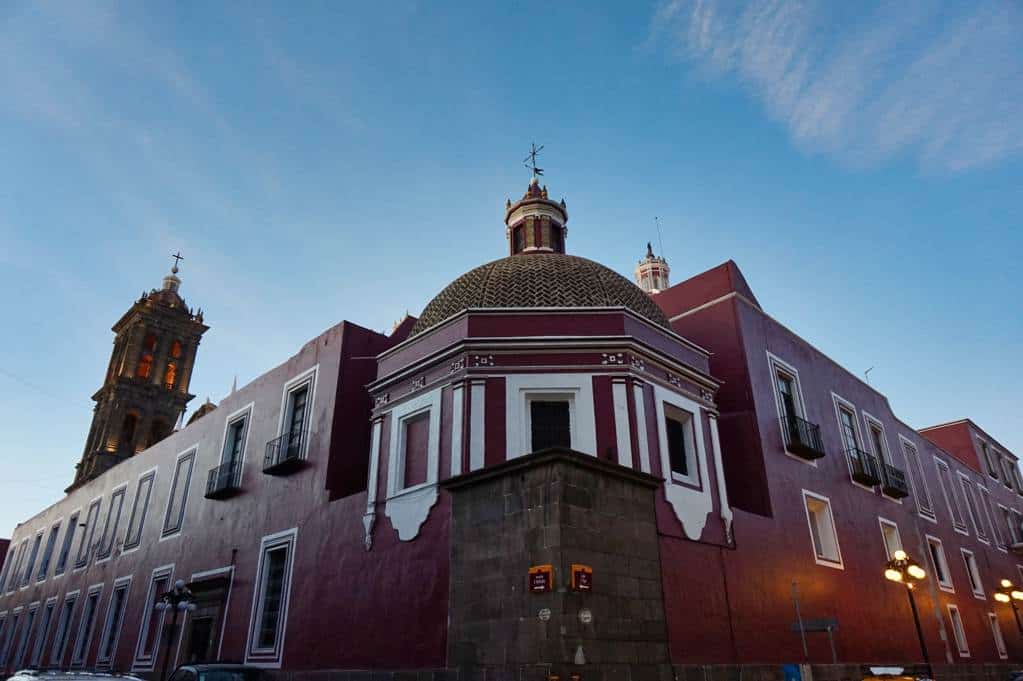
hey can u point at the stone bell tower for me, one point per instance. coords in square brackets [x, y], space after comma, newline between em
[146, 386]
[652, 272]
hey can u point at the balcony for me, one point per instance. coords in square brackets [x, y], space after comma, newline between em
[894, 485]
[802, 438]
[865, 469]
[224, 481]
[284, 454]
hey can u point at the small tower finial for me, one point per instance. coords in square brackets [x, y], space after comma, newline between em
[530, 161]
[177, 258]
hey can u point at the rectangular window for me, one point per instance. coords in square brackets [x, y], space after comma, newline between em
[415, 449]
[139, 509]
[86, 626]
[991, 513]
[112, 623]
[996, 633]
[973, 507]
[1008, 522]
[678, 426]
[958, 631]
[151, 621]
[15, 577]
[921, 492]
[940, 564]
[88, 532]
[65, 548]
[1007, 472]
[44, 628]
[270, 602]
[822, 530]
[847, 423]
[8, 636]
[234, 443]
[30, 566]
[178, 499]
[954, 510]
[296, 422]
[17, 661]
[989, 461]
[877, 441]
[550, 424]
[976, 586]
[890, 536]
[8, 563]
[113, 522]
[51, 544]
[63, 633]
[787, 395]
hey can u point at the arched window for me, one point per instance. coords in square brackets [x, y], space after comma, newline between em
[520, 239]
[145, 366]
[169, 375]
[175, 349]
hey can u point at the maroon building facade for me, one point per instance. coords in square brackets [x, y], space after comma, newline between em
[376, 502]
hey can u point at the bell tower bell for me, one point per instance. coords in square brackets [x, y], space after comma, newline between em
[146, 387]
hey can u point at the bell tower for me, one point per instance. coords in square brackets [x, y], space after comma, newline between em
[652, 272]
[146, 387]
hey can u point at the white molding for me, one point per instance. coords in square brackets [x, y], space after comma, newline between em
[642, 429]
[775, 365]
[164, 533]
[142, 662]
[154, 471]
[972, 501]
[109, 624]
[271, 658]
[691, 505]
[719, 472]
[369, 516]
[248, 410]
[961, 630]
[206, 574]
[948, 585]
[836, 565]
[623, 434]
[839, 402]
[408, 507]
[906, 442]
[83, 623]
[477, 424]
[457, 414]
[521, 388]
[973, 574]
[882, 522]
[950, 495]
[999, 637]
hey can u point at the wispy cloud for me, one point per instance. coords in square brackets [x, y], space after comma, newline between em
[936, 81]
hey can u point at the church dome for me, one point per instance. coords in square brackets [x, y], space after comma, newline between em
[539, 280]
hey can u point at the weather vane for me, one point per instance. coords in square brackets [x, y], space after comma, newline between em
[177, 258]
[530, 161]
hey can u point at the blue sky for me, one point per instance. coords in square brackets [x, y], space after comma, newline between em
[320, 162]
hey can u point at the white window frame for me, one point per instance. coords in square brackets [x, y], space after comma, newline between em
[1013, 537]
[72, 527]
[689, 426]
[841, 403]
[891, 524]
[993, 520]
[165, 533]
[81, 562]
[827, 562]
[49, 552]
[521, 389]
[996, 634]
[48, 609]
[972, 499]
[958, 630]
[950, 495]
[150, 475]
[28, 576]
[20, 648]
[86, 627]
[227, 571]
[8, 634]
[432, 447]
[985, 454]
[142, 661]
[973, 573]
[779, 366]
[58, 649]
[309, 377]
[232, 418]
[946, 584]
[14, 576]
[271, 657]
[111, 627]
[916, 460]
[110, 541]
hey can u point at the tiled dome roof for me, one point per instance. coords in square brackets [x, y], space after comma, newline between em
[539, 280]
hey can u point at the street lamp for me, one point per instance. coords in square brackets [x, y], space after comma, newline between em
[904, 570]
[1010, 594]
[178, 599]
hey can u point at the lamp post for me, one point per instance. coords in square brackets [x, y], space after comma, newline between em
[178, 599]
[1010, 594]
[904, 570]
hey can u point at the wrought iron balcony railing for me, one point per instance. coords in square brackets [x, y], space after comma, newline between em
[224, 480]
[284, 454]
[802, 438]
[865, 468]
[894, 484]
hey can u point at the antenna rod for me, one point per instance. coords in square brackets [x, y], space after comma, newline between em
[660, 242]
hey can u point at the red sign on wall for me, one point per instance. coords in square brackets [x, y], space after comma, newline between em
[541, 578]
[582, 577]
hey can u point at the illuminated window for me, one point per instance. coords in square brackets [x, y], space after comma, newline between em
[145, 366]
[170, 375]
[175, 351]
